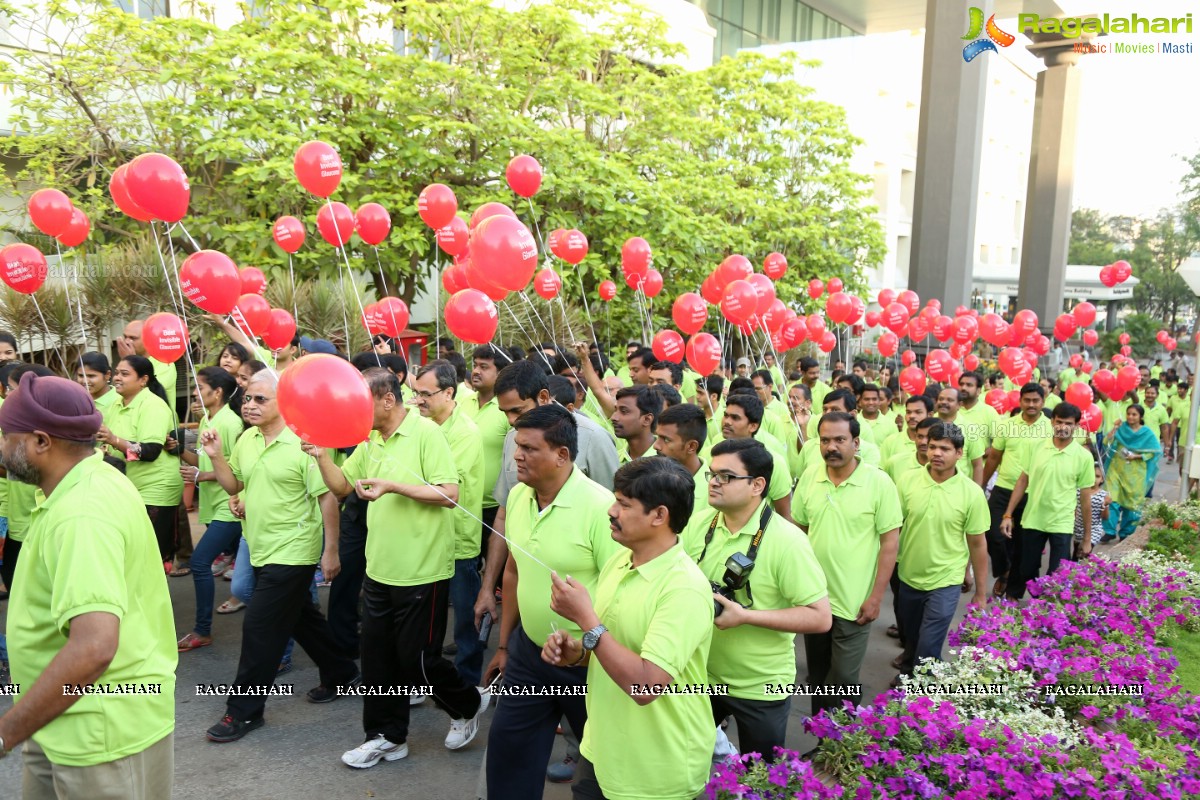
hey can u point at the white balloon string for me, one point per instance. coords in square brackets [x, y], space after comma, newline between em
[532, 339]
[295, 303]
[588, 311]
[74, 278]
[353, 286]
[180, 309]
[46, 331]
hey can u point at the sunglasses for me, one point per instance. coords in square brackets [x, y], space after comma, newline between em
[258, 399]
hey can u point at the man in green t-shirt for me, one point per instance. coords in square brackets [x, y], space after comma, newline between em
[945, 517]
[680, 436]
[406, 471]
[1157, 417]
[852, 516]
[1051, 472]
[774, 590]
[648, 632]
[810, 369]
[977, 441]
[743, 420]
[89, 609]
[286, 507]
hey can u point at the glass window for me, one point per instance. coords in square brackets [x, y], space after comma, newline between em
[804, 24]
[752, 15]
[733, 12]
[787, 21]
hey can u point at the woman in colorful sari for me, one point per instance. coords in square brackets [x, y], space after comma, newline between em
[1131, 463]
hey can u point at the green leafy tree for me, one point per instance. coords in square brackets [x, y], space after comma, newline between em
[1160, 248]
[734, 158]
[1093, 239]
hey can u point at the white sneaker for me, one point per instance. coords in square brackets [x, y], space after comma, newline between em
[370, 752]
[462, 731]
[416, 699]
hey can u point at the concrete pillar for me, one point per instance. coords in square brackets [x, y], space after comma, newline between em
[948, 147]
[1047, 229]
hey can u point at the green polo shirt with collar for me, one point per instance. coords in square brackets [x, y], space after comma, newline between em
[663, 611]
[168, 376]
[937, 519]
[23, 498]
[982, 419]
[781, 477]
[283, 522]
[882, 428]
[106, 401]
[214, 501]
[975, 437]
[895, 445]
[463, 437]
[570, 535]
[1156, 416]
[1054, 477]
[844, 524]
[411, 543]
[1014, 436]
[493, 427]
[147, 419]
[786, 575]
[810, 456]
[75, 561]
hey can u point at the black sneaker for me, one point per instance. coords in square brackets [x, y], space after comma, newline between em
[1107, 538]
[327, 694]
[230, 729]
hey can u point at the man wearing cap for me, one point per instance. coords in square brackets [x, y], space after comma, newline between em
[308, 345]
[90, 609]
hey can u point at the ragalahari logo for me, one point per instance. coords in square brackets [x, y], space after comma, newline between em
[995, 36]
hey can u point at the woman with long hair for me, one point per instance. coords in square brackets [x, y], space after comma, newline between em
[95, 374]
[136, 431]
[232, 357]
[1131, 462]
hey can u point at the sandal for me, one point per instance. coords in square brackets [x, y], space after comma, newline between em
[179, 572]
[193, 641]
[231, 606]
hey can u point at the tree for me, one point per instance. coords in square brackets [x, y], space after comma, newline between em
[1093, 240]
[734, 158]
[1159, 250]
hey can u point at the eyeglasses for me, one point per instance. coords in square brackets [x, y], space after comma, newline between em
[723, 478]
[427, 395]
[258, 399]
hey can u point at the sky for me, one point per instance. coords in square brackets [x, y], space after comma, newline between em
[1137, 115]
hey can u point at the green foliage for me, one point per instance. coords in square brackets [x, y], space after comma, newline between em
[1141, 329]
[734, 158]
[1094, 240]
[1161, 246]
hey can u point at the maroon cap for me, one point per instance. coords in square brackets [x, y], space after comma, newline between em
[56, 406]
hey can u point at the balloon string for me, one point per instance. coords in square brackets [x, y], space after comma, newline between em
[78, 299]
[46, 330]
[437, 290]
[353, 286]
[179, 308]
[532, 338]
[295, 304]
[588, 311]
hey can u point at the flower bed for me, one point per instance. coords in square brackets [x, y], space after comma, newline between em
[1095, 624]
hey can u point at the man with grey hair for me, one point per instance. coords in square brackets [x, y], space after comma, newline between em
[436, 387]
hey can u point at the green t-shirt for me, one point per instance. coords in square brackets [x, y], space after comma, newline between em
[786, 575]
[844, 524]
[1054, 477]
[1014, 436]
[1156, 416]
[882, 428]
[981, 420]
[1155, 372]
[147, 419]
[1052, 400]
[937, 518]
[781, 477]
[282, 485]
[76, 561]
[493, 427]
[975, 439]
[1066, 377]
[463, 437]
[22, 499]
[662, 611]
[168, 376]
[810, 455]
[571, 535]
[106, 401]
[412, 543]
[1114, 413]
[895, 445]
[214, 501]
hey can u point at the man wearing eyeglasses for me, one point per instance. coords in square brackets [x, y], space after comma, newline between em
[437, 384]
[286, 506]
[762, 608]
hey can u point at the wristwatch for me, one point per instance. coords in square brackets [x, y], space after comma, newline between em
[3, 749]
[592, 638]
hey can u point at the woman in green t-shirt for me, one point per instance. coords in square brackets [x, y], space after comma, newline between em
[136, 430]
[215, 389]
[95, 375]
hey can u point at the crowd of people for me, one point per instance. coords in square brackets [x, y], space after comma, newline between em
[646, 544]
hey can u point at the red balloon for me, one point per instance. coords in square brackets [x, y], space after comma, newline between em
[478, 278]
[1075, 361]
[437, 205]
[394, 315]
[158, 185]
[311, 388]
[965, 331]
[1108, 276]
[856, 313]
[917, 329]
[895, 318]
[547, 284]
[252, 280]
[335, 222]
[872, 319]
[490, 210]
[690, 312]
[775, 266]
[506, 249]
[635, 256]
[1170, 344]
[373, 223]
[776, 316]
[733, 268]
[211, 281]
[454, 279]
[1086, 367]
[1126, 351]
[1084, 314]
[887, 344]
[524, 175]
[280, 330]
[994, 330]
[765, 291]
[165, 337]
[1025, 321]
[1105, 383]
[607, 290]
[910, 300]
[961, 310]
[318, 168]
[1123, 338]
[793, 332]
[838, 306]
[816, 327]
[574, 247]
[740, 302]
[886, 297]
[935, 304]
[1041, 346]
[828, 342]
[1162, 337]
[939, 364]
[252, 313]
[971, 362]
[1013, 364]
[1079, 394]
[288, 233]
[1122, 271]
[1065, 327]
[471, 316]
[907, 357]
[76, 232]
[703, 353]
[833, 286]
[997, 399]
[23, 267]
[120, 195]
[912, 380]
[668, 346]
[50, 211]
[453, 238]
[554, 241]
[1092, 416]
[958, 349]
[652, 283]
[816, 287]
[942, 328]
[1090, 337]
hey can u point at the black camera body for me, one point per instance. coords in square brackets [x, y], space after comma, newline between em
[737, 573]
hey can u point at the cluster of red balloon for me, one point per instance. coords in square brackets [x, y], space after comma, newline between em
[1115, 273]
[389, 316]
[55, 215]
[1166, 340]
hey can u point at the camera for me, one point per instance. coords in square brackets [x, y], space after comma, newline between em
[737, 574]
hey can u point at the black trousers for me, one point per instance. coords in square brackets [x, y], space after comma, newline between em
[488, 515]
[1005, 554]
[761, 724]
[894, 583]
[401, 625]
[522, 734]
[346, 588]
[1032, 544]
[12, 551]
[282, 609]
[162, 519]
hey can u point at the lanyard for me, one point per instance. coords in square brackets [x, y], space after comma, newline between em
[754, 542]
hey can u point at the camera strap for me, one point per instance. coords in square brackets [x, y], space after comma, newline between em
[754, 542]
